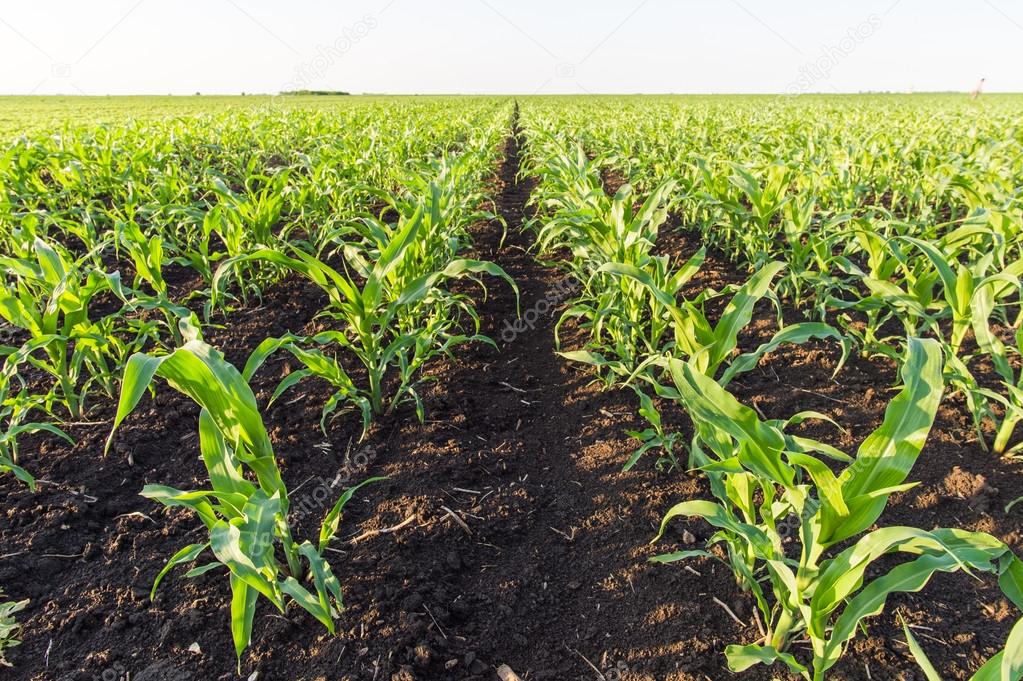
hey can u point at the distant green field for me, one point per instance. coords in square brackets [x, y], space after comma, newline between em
[21, 115]
[38, 114]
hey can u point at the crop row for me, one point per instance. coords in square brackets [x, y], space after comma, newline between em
[903, 248]
[96, 225]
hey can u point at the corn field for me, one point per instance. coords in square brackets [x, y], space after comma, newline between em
[559, 387]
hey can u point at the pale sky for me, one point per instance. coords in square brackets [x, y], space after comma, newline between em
[508, 46]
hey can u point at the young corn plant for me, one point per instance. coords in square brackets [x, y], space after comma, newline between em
[812, 275]
[247, 520]
[962, 285]
[193, 249]
[626, 324]
[973, 296]
[898, 287]
[444, 196]
[244, 220]
[933, 292]
[252, 213]
[741, 207]
[9, 627]
[14, 410]
[981, 400]
[683, 331]
[763, 201]
[602, 233]
[49, 296]
[710, 346]
[766, 482]
[377, 319]
[568, 181]
[147, 255]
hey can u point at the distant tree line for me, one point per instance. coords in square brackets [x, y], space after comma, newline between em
[315, 92]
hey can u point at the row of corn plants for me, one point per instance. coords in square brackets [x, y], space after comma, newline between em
[633, 303]
[391, 311]
[847, 252]
[890, 222]
[96, 222]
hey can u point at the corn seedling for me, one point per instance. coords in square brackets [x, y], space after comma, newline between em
[49, 296]
[9, 627]
[14, 410]
[765, 480]
[246, 520]
[372, 316]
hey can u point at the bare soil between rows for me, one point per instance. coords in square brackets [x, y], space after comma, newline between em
[545, 568]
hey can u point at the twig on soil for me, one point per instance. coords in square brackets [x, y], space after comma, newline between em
[134, 514]
[927, 636]
[61, 555]
[599, 674]
[308, 480]
[511, 387]
[87, 497]
[439, 628]
[454, 516]
[387, 530]
[466, 491]
[566, 536]
[826, 397]
[760, 625]
[728, 610]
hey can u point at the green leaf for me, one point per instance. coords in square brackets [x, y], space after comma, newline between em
[760, 445]
[795, 334]
[918, 654]
[186, 555]
[243, 611]
[331, 522]
[885, 458]
[677, 556]
[739, 311]
[741, 658]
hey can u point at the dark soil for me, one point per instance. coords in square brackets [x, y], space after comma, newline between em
[527, 545]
